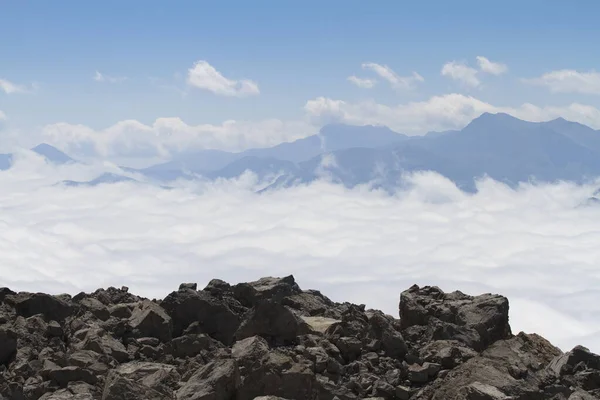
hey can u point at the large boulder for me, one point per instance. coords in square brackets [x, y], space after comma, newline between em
[251, 293]
[275, 374]
[428, 314]
[151, 320]
[30, 304]
[152, 379]
[512, 367]
[213, 316]
[218, 380]
[273, 321]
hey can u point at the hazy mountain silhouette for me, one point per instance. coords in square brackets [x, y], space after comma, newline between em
[500, 146]
[50, 153]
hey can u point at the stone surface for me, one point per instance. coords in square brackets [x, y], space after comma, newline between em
[268, 339]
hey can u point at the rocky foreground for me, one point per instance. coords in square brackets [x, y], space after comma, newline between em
[270, 338]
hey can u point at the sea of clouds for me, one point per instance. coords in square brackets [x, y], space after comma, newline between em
[538, 245]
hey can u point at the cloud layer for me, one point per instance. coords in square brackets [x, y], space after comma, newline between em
[204, 76]
[534, 245]
[569, 81]
[170, 135]
[450, 111]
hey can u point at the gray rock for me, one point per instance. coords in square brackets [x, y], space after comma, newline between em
[273, 321]
[188, 306]
[476, 321]
[30, 304]
[62, 376]
[217, 380]
[96, 307]
[190, 286]
[151, 320]
[8, 345]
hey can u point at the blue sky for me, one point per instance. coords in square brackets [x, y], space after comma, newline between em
[295, 53]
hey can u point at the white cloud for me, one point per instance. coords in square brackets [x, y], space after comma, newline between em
[353, 245]
[397, 82]
[3, 116]
[490, 67]
[462, 73]
[569, 81]
[450, 111]
[10, 88]
[204, 76]
[361, 82]
[99, 77]
[171, 135]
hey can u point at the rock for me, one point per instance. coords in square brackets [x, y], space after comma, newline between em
[565, 363]
[402, 393]
[282, 343]
[277, 374]
[98, 341]
[121, 311]
[151, 320]
[476, 321]
[188, 286]
[250, 350]
[418, 373]
[190, 345]
[319, 324]
[96, 307]
[30, 304]
[8, 345]
[62, 376]
[481, 391]
[118, 387]
[54, 329]
[161, 378]
[273, 321]
[217, 287]
[269, 288]
[215, 317]
[217, 380]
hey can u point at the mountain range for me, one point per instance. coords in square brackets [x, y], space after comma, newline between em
[500, 146]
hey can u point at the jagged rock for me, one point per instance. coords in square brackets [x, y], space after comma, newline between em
[191, 345]
[62, 376]
[273, 321]
[277, 374]
[251, 293]
[99, 341]
[120, 310]
[214, 317]
[578, 357]
[476, 321]
[250, 350]
[151, 320]
[96, 307]
[8, 345]
[54, 329]
[269, 339]
[217, 380]
[30, 304]
[190, 286]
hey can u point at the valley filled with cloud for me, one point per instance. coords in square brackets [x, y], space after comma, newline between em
[535, 244]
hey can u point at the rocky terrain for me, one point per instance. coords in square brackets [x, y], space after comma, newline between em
[269, 339]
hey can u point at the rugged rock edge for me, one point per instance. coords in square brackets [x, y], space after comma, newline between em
[269, 339]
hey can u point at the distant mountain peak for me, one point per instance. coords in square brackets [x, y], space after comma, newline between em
[52, 154]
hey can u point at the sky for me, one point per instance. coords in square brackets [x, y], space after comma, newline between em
[106, 79]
